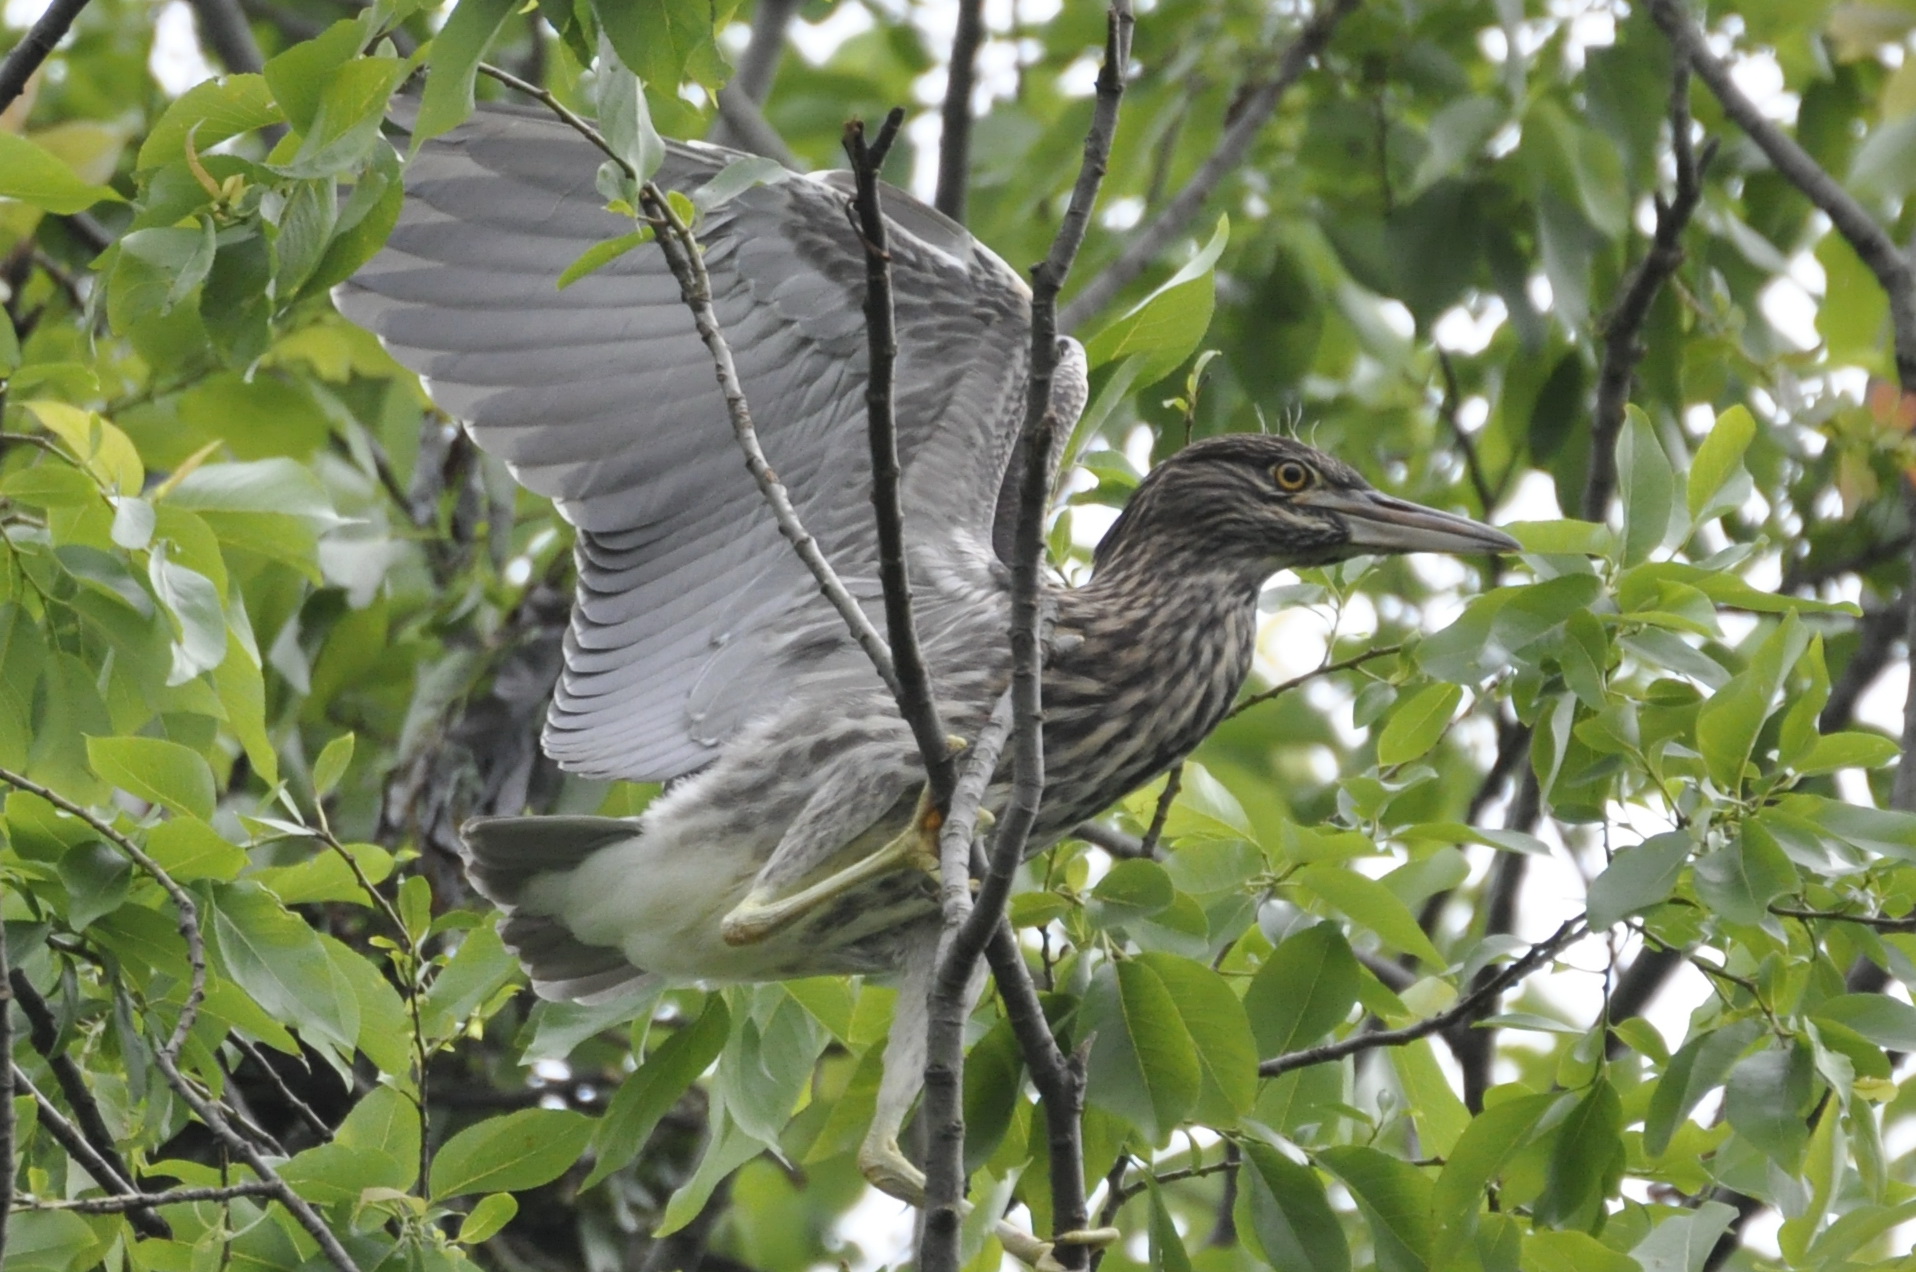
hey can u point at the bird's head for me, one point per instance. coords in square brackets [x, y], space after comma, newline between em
[1255, 504]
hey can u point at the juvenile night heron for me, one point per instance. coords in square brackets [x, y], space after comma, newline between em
[700, 652]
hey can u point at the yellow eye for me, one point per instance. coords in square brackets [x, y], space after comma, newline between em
[1291, 476]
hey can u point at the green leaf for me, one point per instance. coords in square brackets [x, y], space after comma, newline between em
[1221, 1032]
[1719, 458]
[1648, 486]
[415, 907]
[345, 127]
[1394, 1197]
[157, 771]
[298, 76]
[480, 968]
[453, 63]
[1683, 1242]
[600, 255]
[1572, 1252]
[1417, 723]
[31, 175]
[195, 612]
[510, 1153]
[1290, 1216]
[1887, 1022]
[1305, 989]
[493, 1212]
[1491, 1140]
[559, 1027]
[1441, 1118]
[1586, 1160]
[1371, 905]
[726, 1149]
[1740, 879]
[331, 765]
[624, 118]
[385, 1026]
[1698, 1067]
[50, 1241]
[266, 485]
[96, 878]
[1143, 1064]
[1167, 326]
[1167, 1247]
[277, 958]
[1638, 877]
[1728, 722]
[1765, 1099]
[187, 848]
[766, 1069]
[211, 112]
[664, 42]
[1849, 749]
[1136, 888]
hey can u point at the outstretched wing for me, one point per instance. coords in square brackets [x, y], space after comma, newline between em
[693, 615]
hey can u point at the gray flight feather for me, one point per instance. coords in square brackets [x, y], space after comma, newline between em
[693, 616]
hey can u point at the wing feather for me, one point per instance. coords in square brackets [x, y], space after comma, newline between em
[692, 613]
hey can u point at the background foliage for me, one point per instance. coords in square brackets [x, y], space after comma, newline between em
[271, 619]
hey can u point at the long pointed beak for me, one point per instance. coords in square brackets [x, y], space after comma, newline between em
[1379, 523]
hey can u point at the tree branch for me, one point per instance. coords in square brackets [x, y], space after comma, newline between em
[7, 1163]
[1874, 921]
[916, 701]
[1173, 783]
[954, 141]
[44, 1034]
[1316, 673]
[1254, 109]
[225, 30]
[144, 1201]
[1871, 243]
[1460, 1011]
[34, 47]
[1623, 326]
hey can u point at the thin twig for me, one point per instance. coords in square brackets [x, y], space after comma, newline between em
[1447, 411]
[314, 1122]
[1278, 690]
[1873, 921]
[1254, 109]
[1623, 325]
[1461, 1010]
[1173, 783]
[143, 1201]
[954, 141]
[189, 914]
[916, 702]
[33, 48]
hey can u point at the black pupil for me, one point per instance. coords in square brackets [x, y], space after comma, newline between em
[1291, 475]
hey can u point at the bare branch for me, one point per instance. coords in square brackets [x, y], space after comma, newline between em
[1254, 108]
[144, 1201]
[1874, 921]
[916, 702]
[1623, 326]
[1278, 690]
[225, 30]
[68, 1136]
[1461, 1010]
[1113, 841]
[26, 56]
[1903, 792]
[954, 141]
[1173, 783]
[304, 1111]
[1871, 243]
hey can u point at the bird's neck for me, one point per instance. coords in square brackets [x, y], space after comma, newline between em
[1143, 665]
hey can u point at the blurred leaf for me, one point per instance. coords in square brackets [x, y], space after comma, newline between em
[484, 1220]
[454, 62]
[1765, 1099]
[331, 765]
[1417, 723]
[1648, 486]
[1394, 1198]
[1167, 326]
[31, 175]
[1885, 1021]
[1719, 459]
[1220, 1031]
[157, 771]
[510, 1153]
[1371, 905]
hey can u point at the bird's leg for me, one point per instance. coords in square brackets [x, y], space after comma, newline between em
[768, 909]
[880, 1159]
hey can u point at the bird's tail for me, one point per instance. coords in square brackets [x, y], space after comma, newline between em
[503, 856]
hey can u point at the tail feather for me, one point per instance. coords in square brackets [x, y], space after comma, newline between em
[503, 854]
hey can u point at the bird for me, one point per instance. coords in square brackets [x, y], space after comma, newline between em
[787, 841]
